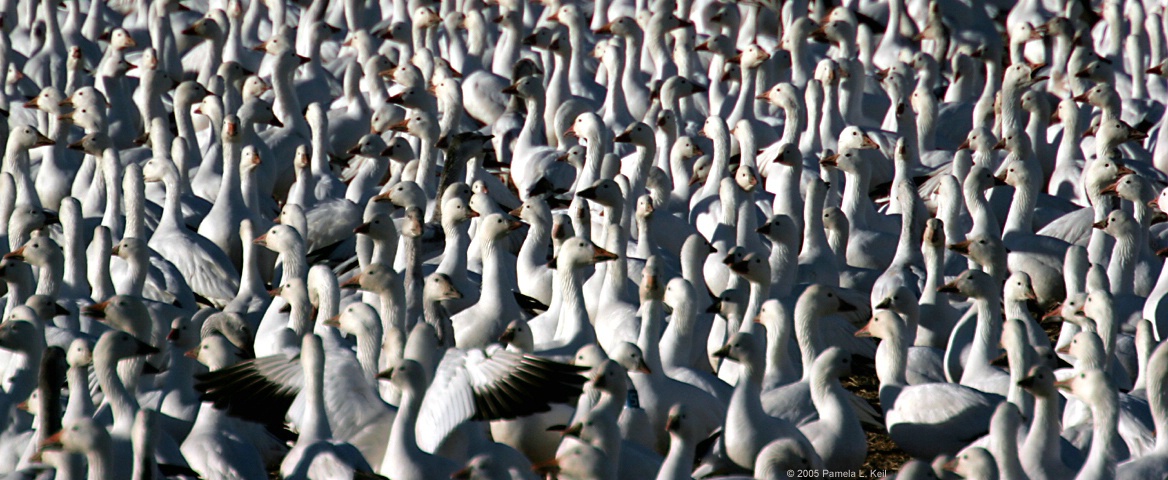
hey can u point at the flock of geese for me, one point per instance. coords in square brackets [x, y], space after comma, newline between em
[617, 239]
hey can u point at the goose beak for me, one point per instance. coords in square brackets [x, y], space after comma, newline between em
[1137, 135]
[402, 126]
[643, 367]
[1156, 70]
[96, 310]
[605, 29]
[514, 225]
[950, 287]
[864, 332]
[146, 349]
[43, 141]
[868, 143]
[333, 321]
[846, 306]
[362, 228]
[261, 240]
[1054, 312]
[723, 352]
[54, 441]
[1154, 203]
[573, 430]
[951, 465]
[547, 469]
[16, 255]
[1162, 253]
[1064, 384]
[1101, 225]
[192, 353]
[601, 255]
[1124, 170]
[1111, 189]
[507, 337]
[885, 304]
[462, 474]
[1081, 98]
[1001, 145]
[385, 374]
[830, 160]
[961, 247]
[354, 282]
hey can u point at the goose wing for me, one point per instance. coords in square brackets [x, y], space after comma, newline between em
[491, 384]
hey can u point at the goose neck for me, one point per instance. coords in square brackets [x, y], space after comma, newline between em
[123, 405]
[988, 332]
[744, 107]
[573, 314]
[1122, 268]
[458, 241]
[1105, 413]
[808, 335]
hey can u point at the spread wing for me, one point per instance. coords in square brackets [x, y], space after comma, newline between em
[491, 384]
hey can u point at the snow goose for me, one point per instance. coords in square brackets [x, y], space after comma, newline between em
[479, 324]
[1093, 387]
[533, 273]
[209, 271]
[978, 371]
[213, 447]
[316, 453]
[923, 433]
[748, 428]
[680, 352]
[462, 385]
[85, 436]
[863, 238]
[655, 389]
[816, 261]
[816, 328]
[1152, 463]
[837, 436]
[1040, 452]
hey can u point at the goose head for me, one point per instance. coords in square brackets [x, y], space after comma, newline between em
[44, 307]
[679, 293]
[637, 134]
[115, 345]
[832, 364]
[376, 278]
[1119, 224]
[629, 356]
[1019, 288]
[257, 110]
[495, 226]
[645, 208]
[750, 58]
[19, 335]
[900, 299]
[780, 229]
[131, 248]
[1086, 347]
[980, 139]
[972, 284]
[884, 324]
[26, 137]
[231, 326]
[215, 351]
[852, 137]
[404, 194]
[1091, 386]
[578, 252]
[80, 353]
[678, 423]
[821, 300]
[518, 334]
[408, 375]
[782, 455]
[743, 348]
[1039, 381]
[81, 436]
[731, 303]
[590, 356]
[482, 467]
[934, 235]
[746, 177]
[123, 312]
[48, 100]
[279, 238]
[440, 287]
[120, 39]
[980, 179]
[1133, 188]
[974, 462]
[458, 211]
[847, 160]
[38, 251]
[686, 148]
[357, 319]
[609, 376]
[188, 92]
[1101, 95]
[604, 191]
[783, 95]
[753, 267]
[209, 27]
[623, 26]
